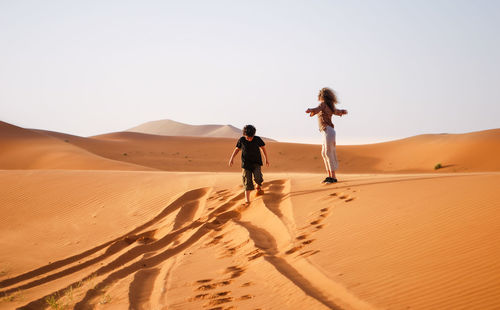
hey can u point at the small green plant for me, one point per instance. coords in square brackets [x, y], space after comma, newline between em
[53, 301]
[105, 299]
[438, 166]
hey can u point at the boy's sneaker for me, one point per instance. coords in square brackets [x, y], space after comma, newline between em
[326, 180]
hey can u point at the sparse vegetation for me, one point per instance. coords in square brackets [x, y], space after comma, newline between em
[125, 154]
[438, 166]
[18, 295]
[105, 299]
[53, 301]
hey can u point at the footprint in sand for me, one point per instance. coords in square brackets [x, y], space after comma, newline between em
[145, 240]
[301, 237]
[230, 251]
[220, 294]
[199, 297]
[294, 249]
[235, 271]
[204, 281]
[309, 253]
[215, 240]
[220, 301]
[254, 254]
[207, 287]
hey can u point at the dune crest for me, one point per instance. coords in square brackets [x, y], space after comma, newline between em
[168, 127]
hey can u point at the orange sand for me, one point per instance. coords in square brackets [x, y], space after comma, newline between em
[94, 228]
[472, 152]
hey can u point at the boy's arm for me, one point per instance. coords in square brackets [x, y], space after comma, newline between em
[236, 150]
[265, 155]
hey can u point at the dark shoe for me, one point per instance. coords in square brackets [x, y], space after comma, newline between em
[326, 180]
[330, 180]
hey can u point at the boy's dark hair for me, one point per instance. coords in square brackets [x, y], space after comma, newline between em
[249, 131]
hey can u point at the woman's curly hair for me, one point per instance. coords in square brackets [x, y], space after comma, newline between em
[328, 96]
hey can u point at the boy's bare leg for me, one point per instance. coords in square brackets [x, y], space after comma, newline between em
[247, 196]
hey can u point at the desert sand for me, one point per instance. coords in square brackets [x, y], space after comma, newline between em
[169, 127]
[136, 221]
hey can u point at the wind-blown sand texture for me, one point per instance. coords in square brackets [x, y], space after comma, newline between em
[86, 237]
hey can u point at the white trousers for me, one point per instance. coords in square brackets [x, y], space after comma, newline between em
[328, 151]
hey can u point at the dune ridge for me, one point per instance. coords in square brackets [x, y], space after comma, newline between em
[167, 127]
[470, 152]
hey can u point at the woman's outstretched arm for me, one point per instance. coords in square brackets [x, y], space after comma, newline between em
[340, 112]
[314, 111]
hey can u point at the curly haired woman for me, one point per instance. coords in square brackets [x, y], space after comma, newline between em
[325, 110]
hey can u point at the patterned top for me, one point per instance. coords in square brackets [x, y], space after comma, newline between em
[324, 116]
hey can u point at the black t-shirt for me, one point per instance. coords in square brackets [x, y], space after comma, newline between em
[250, 151]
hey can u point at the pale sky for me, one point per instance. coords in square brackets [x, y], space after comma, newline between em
[400, 68]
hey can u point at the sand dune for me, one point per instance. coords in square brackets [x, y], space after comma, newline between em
[474, 151]
[158, 240]
[168, 127]
[471, 152]
[27, 149]
[96, 223]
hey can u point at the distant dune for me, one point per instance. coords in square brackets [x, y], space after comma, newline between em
[168, 127]
[476, 151]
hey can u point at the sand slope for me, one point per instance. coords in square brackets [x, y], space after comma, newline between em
[160, 240]
[27, 149]
[168, 127]
[81, 229]
[475, 151]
